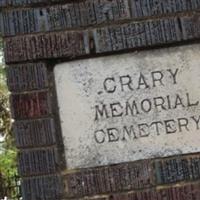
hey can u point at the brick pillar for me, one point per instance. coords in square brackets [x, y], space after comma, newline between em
[38, 34]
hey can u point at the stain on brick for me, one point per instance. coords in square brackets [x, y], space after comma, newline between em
[30, 105]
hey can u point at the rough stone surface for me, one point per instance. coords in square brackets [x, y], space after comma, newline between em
[129, 107]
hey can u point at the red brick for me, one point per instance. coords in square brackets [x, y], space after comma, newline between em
[61, 17]
[173, 170]
[36, 162]
[183, 192]
[26, 77]
[34, 133]
[115, 178]
[30, 105]
[42, 188]
[46, 46]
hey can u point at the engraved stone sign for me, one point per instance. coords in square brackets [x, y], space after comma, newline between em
[130, 107]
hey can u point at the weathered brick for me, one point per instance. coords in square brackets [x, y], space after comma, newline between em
[43, 46]
[190, 27]
[4, 3]
[140, 8]
[30, 105]
[147, 33]
[34, 133]
[110, 179]
[145, 8]
[126, 36]
[142, 195]
[177, 169]
[59, 17]
[42, 188]
[183, 192]
[96, 198]
[35, 162]
[25, 77]
[137, 34]
[71, 44]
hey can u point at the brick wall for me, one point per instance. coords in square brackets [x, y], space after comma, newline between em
[41, 33]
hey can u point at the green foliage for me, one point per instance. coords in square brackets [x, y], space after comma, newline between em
[7, 164]
[4, 114]
[8, 151]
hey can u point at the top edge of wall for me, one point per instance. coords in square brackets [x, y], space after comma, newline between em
[30, 3]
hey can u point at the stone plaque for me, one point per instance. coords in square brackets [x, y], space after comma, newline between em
[130, 107]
